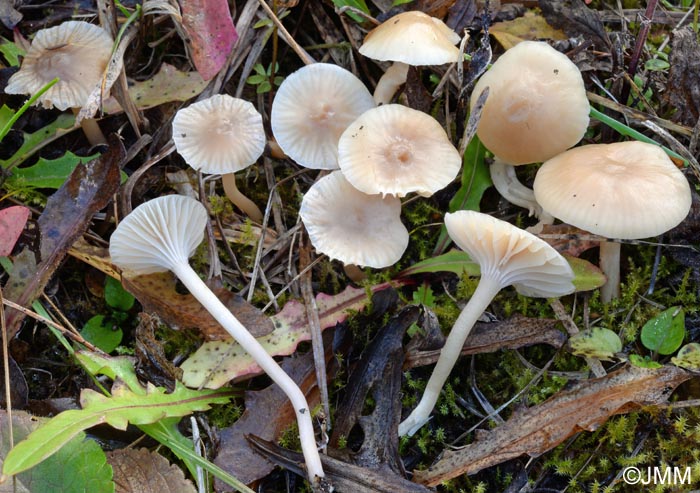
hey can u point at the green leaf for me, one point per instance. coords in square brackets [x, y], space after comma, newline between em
[263, 87]
[114, 367]
[101, 334]
[476, 179]
[424, 295]
[358, 4]
[657, 65]
[455, 261]
[122, 408]
[586, 275]
[665, 332]
[48, 173]
[597, 342]
[10, 51]
[396, 3]
[116, 296]
[688, 357]
[644, 362]
[35, 141]
[256, 79]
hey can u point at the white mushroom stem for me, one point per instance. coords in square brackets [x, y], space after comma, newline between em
[610, 265]
[506, 182]
[92, 130]
[487, 289]
[239, 200]
[390, 82]
[229, 322]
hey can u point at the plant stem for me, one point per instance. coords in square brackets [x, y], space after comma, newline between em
[229, 322]
[486, 290]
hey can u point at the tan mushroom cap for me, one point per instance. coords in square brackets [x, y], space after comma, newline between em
[220, 134]
[312, 108]
[537, 105]
[626, 190]
[351, 226]
[392, 149]
[76, 52]
[511, 255]
[414, 38]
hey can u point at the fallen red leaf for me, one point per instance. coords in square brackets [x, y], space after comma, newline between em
[12, 221]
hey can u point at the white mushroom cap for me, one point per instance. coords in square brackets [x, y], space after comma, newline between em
[351, 226]
[413, 38]
[76, 52]
[158, 234]
[312, 107]
[511, 255]
[626, 190]
[392, 149]
[537, 105]
[220, 134]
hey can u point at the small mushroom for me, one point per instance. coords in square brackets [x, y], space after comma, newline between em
[221, 134]
[161, 235]
[351, 226]
[536, 109]
[410, 38]
[507, 256]
[312, 108]
[76, 53]
[627, 190]
[392, 149]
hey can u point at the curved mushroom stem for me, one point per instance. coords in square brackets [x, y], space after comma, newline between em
[486, 290]
[229, 322]
[390, 82]
[506, 182]
[610, 265]
[239, 200]
[92, 130]
[354, 273]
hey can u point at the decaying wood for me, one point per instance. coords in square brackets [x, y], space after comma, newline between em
[583, 407]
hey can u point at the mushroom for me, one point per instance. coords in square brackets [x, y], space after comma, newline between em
[221, 134]
[507, 256]
[351, 226]
[626, 190]
[76, 53]
[536, 109]
[161, 235]
[312, 108]
[392, 149]
[410, 38]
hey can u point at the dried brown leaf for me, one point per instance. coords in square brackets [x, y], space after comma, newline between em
[142, 471]
[576, 19]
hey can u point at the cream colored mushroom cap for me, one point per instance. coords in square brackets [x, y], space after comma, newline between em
[220, 134]
[312, 108]
[351, 226]
[511, 255]
[76, 52]
[158, 234]
[626, 190]
[392, 149]
[537, 105]
[414, 38]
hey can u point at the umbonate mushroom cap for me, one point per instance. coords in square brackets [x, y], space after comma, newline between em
[351, 226]
[392, 149]
[626, 190]
[220, 134]
[312, 107]
[414, 38]
[511, 255]
[537, 105]
[158, 234]
[76, 52]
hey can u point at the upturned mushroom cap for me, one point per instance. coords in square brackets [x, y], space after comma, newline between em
[351, 226]
[396, 150]
[220, 134]
[158, 234]
[626, 190]
[537, 105]
[511, 255]
[76, 52]
[414, 38]
[312, 108]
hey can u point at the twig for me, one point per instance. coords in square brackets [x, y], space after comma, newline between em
[593, 363]
[301, 53]
[6, 368]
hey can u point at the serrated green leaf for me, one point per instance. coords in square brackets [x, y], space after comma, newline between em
[97, 332]
[116, 296]
[688, 357]
[597, 342]
[644, 362]
[36, 140]
[665, 332]
[424, 296]
[114, 367]
[48, 173]
[122, 408]
[455, 261]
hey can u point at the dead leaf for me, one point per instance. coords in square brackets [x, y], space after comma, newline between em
[583, 406]
[142, 471]
[12, 221]
[576, 19]
[211, 34]
[66, 217]
[530, 26]
[567, 239]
